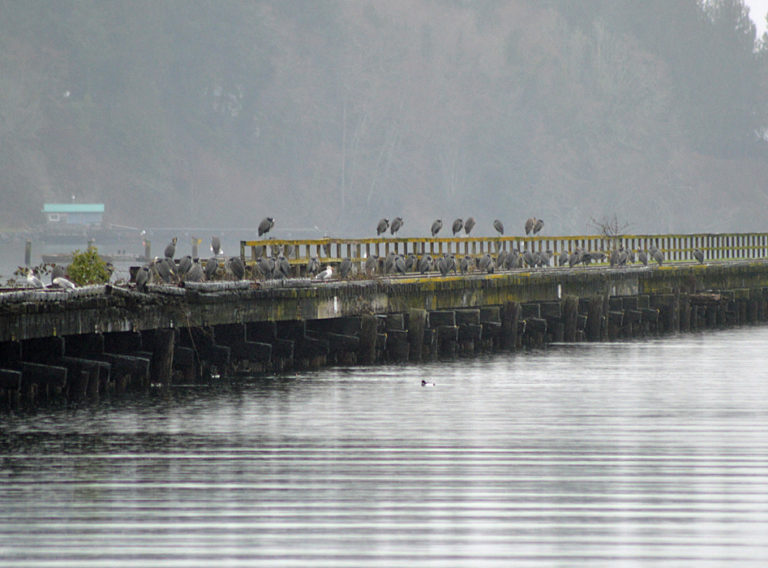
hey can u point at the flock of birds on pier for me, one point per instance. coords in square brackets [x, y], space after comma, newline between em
[272, 261]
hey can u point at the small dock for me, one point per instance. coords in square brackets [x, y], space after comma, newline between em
[103, 340]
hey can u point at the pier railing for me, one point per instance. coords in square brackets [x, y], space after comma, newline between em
[676, 247]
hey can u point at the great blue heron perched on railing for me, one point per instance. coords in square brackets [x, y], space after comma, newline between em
[436, 226]
[499, 226]
[266, 224]
[458, 224]
[468, 225]
[382, 226]
[397, 224]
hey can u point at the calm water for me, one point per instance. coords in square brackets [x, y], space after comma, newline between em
[629, 454]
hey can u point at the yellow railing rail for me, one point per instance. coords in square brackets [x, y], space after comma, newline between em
[676, 247]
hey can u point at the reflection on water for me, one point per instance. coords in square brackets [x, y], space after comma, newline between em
[624, 454]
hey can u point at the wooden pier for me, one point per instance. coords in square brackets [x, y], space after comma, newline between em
[103, 340]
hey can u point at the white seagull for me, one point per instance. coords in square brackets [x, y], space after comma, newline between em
[325, 274]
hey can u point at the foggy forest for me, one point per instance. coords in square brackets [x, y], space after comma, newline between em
[328, 115]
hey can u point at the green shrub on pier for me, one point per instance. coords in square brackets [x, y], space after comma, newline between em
[88, 268]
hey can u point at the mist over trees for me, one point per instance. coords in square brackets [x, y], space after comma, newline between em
[329, 115]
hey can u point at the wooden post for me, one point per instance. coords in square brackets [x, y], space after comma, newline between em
[162, 357]
[510, 316]
[368, 332]
[417, 321]
[28, 253]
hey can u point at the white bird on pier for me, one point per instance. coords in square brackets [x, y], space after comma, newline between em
[62, 282]
[325, 274]
[33, 280]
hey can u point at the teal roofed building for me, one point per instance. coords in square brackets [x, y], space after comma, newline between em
[73, 213]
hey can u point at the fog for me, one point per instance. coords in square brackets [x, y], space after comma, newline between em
[330, 115]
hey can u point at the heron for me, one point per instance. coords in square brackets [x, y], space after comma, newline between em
[529, 224]
[425, 264]
[458, 224]
[562, 260]
[283, 267]
[436, 226]
[389, 263]
[411, 262]
[216, 245]
[237, 267]
[464, 265]
[266, 266]
[266, 224]
[211, 265]
[698, 254]
[443, 265]
[658, 256]
[397, 224]
[313, 266]
[170, 250]
[325, 274]
[345, 267]
[400, 264]
[468, 224]
[370, 264]
[142, 277]
[529, 258]
[164, 269]
[484, 262]
[642, 256]
[382, 226]
[538, 225]
[184, 265]
[195, 273]
[499, 226]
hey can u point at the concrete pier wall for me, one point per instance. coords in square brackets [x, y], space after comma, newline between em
[102, 341]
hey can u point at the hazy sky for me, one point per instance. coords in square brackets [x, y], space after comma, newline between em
[757, 11]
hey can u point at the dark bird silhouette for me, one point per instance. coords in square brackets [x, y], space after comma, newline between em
[698, 254]
[642, 256]
[382, 226]
[371, 264]
[313, 266]
[345, 267]
[142, 278]
[538, 225]
[400, 264]
[170, 250]
[499, 226]
[529, 224]
[184, 265]
[397, 224]
[283, 267]
[195, 273]
[468, 224]
[436, 226]
[237, 267]
[211, 265]
[266, 224]
[425, 264]
[658, 256]
[458, 224]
